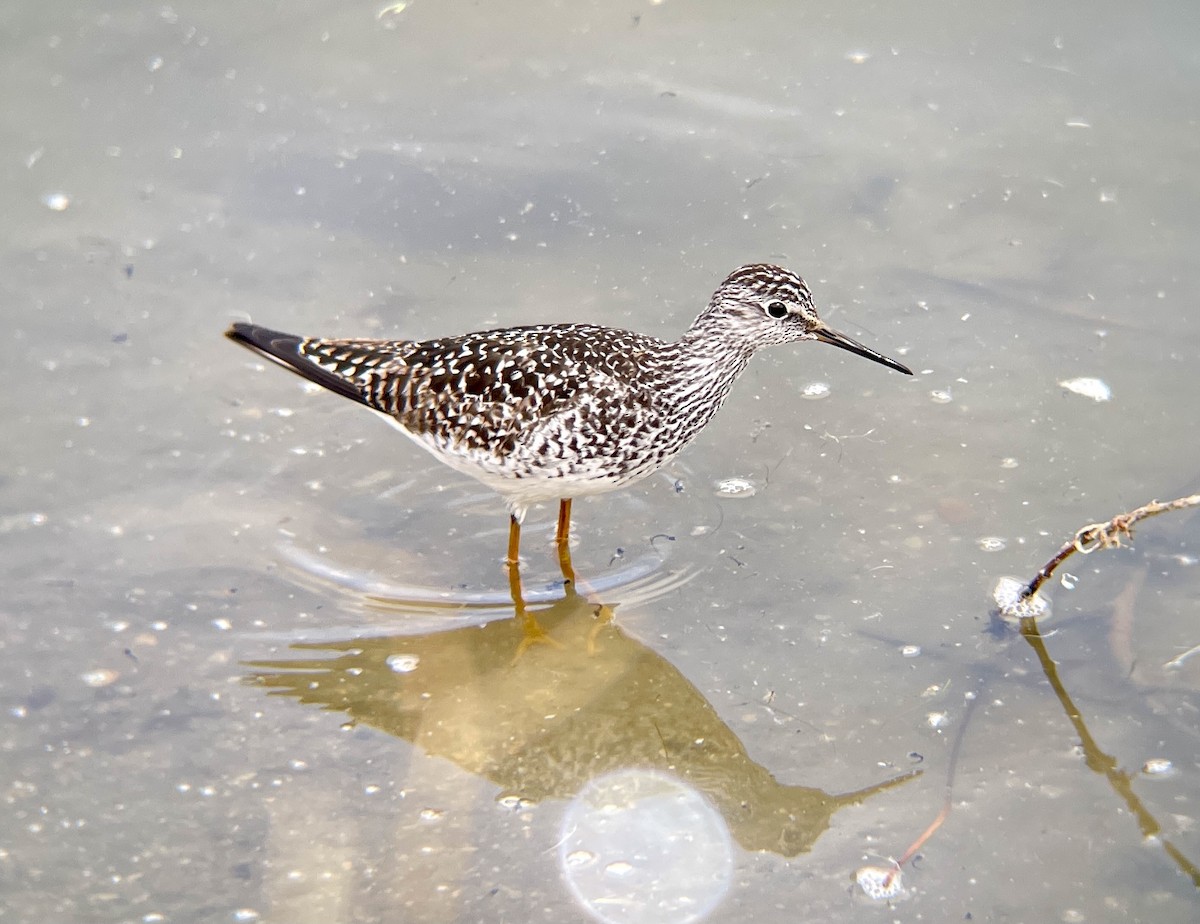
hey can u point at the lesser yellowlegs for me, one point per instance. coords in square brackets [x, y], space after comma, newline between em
[555, 411]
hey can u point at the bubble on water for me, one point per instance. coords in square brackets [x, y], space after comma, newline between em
[56, 201]
[992, 543]
[911, 651]
[937, 396]
[1009, 462]
[577, 859]
[937, 719]
[432, 814]
[815, 391]
[735, 487]
[403, 663]
[1157, 766]
[1096, 389]
[880, 883]
[1007, 597]
[246, 914]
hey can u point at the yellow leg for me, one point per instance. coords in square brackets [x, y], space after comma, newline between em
[532, 633]
[514, 541]
[561, 540]
[564, 520]
[513, 561]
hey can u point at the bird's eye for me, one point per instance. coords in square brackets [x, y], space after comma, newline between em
[777, 310]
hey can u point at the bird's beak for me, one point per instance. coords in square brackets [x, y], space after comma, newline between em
[828, 335]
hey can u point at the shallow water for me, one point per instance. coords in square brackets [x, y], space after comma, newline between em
[232, 694]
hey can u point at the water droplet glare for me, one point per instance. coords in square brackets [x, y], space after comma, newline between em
[403, 663]
[735, 487]
[56, 201]
[642, 846]
[1096, 389]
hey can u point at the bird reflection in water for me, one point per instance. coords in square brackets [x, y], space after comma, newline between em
[541, 725]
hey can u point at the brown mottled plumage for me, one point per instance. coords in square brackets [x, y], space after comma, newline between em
[561, 410]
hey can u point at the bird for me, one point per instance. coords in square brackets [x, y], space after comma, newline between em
[556, 411]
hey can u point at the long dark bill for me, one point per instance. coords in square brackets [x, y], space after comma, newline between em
[838, 339]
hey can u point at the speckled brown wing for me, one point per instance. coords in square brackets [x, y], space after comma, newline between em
[533, 392]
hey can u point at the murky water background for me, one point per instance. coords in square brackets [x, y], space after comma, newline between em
[1006, 197]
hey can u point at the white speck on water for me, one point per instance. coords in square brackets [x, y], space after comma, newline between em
[1157, 766]
[1068, 580]
[815, 391]
[911, 651]
[992, 543]
[1009, 462]
[1088, 387]
[858, 57]
[56, 201]
[246, 914]
[432, 814]
[937, 719]
[938, 396]
[618, 869]
[402, 663]
[735, 487]
[155, 63]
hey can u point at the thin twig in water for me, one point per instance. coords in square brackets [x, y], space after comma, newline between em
[1103, 536]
